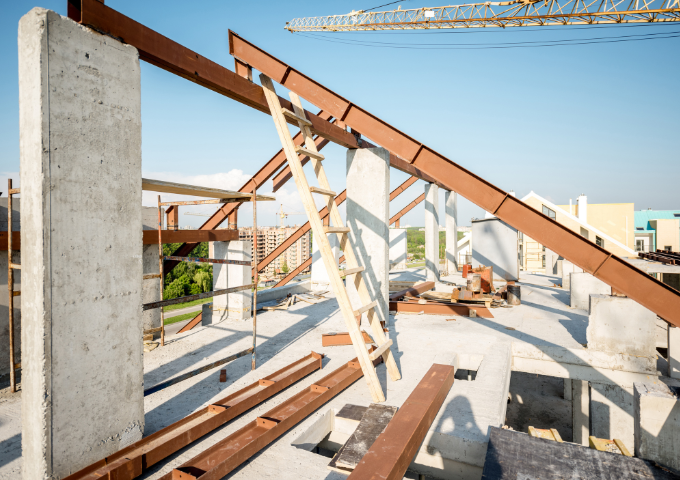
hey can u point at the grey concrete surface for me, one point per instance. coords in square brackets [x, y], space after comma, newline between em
[273, 294]
[580, 398]
[80, 152]
[238, 305]
[151, 288]
[432, 232]
[611, 413]
[451, 224]
[657, 423]
[495, 245]
[566, 267]
[673, 335]
[398, 249]
[621, 325]
[582, 285]
[368, 213]
[4, 299]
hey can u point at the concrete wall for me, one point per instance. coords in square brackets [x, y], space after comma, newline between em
[582, 285]
[81, 189]
[431, 232]
[4, 299]
[238, 305]
[611, 413]
[580, 397]
[451, 223]
[368, 211]
[319, 276]
[567, 269]
[657, 423]
[151, 289]
[398, 247]
[621, 325]
[495, 244]
[552, 264]
[673, 336]
[272, 294]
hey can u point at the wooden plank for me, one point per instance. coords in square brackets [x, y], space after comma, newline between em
[513, 455]
[413, 291]
[150, 237]
[372, 424]
[322, 191]
[292, 115]
[366, 308]
[197, 191]
[351, 271]
[336, 229]
[380, 350]
[309, 152]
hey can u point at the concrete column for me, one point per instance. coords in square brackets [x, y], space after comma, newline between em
[582, 285]
[151, 289]
[398, 249]
[320, 278]
[233, 306]
[4, 300]
[567, 389]
[451, 212]
[568, 268]
[432, 232]
[657, 423]
[81, 191]
[580, 394]
[611, 413]
[673, 352]
[621, 325]
[368, 211]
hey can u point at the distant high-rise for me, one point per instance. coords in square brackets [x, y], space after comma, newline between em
[268, 238]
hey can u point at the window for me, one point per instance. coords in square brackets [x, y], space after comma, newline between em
[599, 241]
[668, 248]
[676, 215]
[584, 232]
[639, 245]
[543, 261]
[640, 228]
[548, 212]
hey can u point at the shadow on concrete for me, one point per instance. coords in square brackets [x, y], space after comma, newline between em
[10, 449]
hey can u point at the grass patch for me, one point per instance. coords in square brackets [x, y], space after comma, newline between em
[188, 304]
[180, 318]
[415, 265]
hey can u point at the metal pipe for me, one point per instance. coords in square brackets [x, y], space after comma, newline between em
[198, 296]
[206, 260]
[10, 288]
[253, 362]
[160, 266]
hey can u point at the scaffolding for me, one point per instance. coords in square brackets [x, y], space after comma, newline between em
[13, 367]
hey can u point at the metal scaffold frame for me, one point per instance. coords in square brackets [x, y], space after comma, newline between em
[11, 266]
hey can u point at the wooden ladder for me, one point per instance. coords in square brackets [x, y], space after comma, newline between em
[352, 317]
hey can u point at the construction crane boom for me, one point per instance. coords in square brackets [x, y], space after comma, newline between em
[517, 13]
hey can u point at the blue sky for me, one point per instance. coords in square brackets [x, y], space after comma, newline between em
[599, 119]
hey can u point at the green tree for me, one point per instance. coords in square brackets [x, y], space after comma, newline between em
[284, 267]
[204, 280]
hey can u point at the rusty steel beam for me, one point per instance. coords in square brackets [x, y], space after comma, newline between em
[400, 189]
[616, 272]
[413, 291]
[407, 209]
[134, 460]
[432, 308]
[223, 457]
[150, 237]
[284, 175]
[16, 241]
[198, 296]
[394, 450]
[341, 338]
[194, 321]
[294, 273]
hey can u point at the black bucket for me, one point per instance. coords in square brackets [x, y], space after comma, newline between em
[514, 295]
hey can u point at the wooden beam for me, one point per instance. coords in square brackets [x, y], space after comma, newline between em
[150, 237]
[198, 191]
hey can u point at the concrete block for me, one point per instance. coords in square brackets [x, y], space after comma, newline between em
[552, 265]
[238, 305]
[4, 300]
[495, 245]
[621, 325]
[582, 285]
[81, 189]
[611, 413]
[580, 397]
[657, 423]
[368, 211]
[151, 288]
[398, 247]
[272, 294]
[319, 277]
[432, 232]
[673, 352]
[451, 223]
[567, 268]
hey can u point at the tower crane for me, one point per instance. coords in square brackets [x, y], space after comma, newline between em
[283, 215]
[514, 13]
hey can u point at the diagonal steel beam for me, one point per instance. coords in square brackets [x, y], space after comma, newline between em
[407, 209]
[616, 272]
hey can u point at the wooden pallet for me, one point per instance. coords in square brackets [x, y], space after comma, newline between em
[352, 317]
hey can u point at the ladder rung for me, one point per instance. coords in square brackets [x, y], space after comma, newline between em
[352, 271]
[380, 350]
[365, 308]
[336, 229]
[294, 116]
[322, 191]
[309, 153]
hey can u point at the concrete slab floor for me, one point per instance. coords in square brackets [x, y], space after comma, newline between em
[284, 336]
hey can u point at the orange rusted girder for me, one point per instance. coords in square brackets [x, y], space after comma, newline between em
[407, 209]
[624, 277]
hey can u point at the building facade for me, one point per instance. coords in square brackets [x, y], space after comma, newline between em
[657, 230]
[268, 238]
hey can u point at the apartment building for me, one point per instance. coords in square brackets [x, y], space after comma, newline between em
[268, 238]
[657, 229]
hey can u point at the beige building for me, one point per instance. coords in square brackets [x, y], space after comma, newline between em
[609, 225]
[268, 238]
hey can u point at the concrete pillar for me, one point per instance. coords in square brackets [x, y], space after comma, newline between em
[568, 268]
[81, 191]
[432, 232]
[4, 300]
[368, 211]
[398, 249]
[621, 325]
[611, 413]
[673, 352]
[451, 214]
[233, 306]
[567, 389]
[582, 285]
[580, 394]
[151, 289]
[319, 277]
[657, 423]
